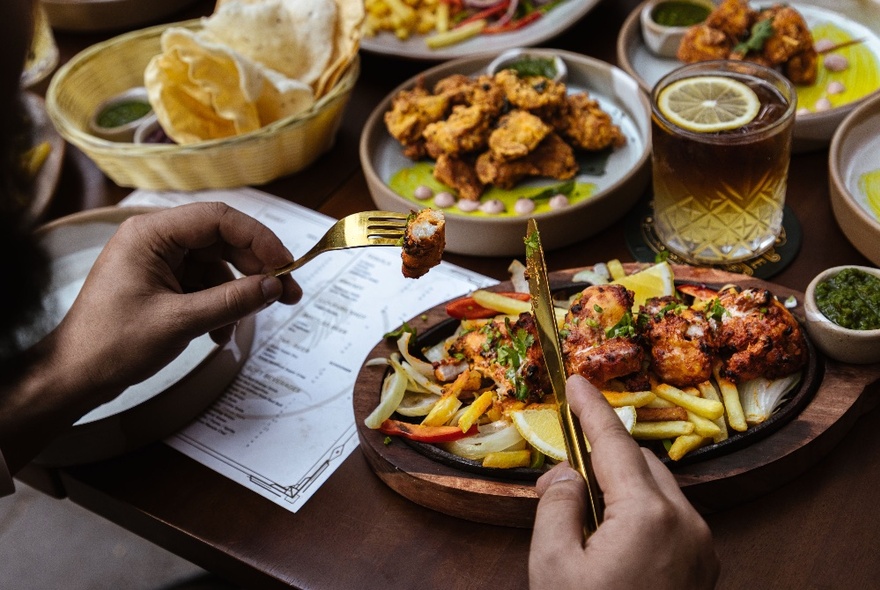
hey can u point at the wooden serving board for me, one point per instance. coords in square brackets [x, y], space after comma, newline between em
[844, 393]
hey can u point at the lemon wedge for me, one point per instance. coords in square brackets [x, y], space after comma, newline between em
[709, 103]
[541, 428]
[627, 415]
[654, 281]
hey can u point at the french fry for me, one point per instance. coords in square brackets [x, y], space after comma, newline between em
[475, 410]
[661, 414]
[684, 444]
[709, 392]
[659, 402]
[618, 399]
[706, 408]
[735, 416]
[661, 430]
[508, 459]
[703, 426]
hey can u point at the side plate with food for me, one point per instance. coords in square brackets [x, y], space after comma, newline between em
[813, 128]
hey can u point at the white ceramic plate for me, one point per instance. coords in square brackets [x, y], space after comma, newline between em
[812, 130]
[41, 130]
[154, 408]
[855, 178]
[551, 24]
[625, 178]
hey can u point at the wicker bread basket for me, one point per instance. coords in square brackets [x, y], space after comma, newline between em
[109, 68]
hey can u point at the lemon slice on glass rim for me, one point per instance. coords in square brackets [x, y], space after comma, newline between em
[706, 104]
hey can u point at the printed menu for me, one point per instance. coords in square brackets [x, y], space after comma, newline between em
[286, 421]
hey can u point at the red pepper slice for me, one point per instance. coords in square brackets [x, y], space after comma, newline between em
[512, 25]
[491, 11]
[427, 434]
[467, 308]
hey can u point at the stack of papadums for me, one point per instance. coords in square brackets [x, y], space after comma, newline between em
[252, 62]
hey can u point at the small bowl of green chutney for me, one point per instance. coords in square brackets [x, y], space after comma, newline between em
[664, 22]
[118, 117]
[842, 306]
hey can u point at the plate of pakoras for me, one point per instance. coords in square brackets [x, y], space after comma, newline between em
[492, 150]
[833, 60]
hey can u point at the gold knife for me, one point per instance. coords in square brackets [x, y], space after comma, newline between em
[548, 337]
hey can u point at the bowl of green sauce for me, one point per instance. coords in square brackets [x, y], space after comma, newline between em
[664, 22]
[118, 117]
[842, 307]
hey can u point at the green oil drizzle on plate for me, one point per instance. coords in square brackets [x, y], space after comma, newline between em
[861, 78]
[405, 181]
[869, 185]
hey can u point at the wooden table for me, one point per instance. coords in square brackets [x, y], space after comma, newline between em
[821, 530]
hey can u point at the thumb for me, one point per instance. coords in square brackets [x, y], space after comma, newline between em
[225, 304]
[559, 520]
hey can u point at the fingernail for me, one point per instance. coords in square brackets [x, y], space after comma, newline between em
[271, 288]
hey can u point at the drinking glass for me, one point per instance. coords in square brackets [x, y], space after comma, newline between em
[719, 196]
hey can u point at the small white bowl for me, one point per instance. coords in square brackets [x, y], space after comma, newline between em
[843, 344]
[513, 55]
[121, 133]
[664, 40]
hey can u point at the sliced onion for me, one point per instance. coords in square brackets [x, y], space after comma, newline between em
[481, 3]
[417, 378]
[393, 388]
[483, 443]
[426, 369]
[416, 403]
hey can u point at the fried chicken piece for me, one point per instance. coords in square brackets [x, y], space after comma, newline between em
[758, 337]
[534, 93]
[590, 345]
[423, 242]
[680, 341]
[734, 18]
[508, 353]
[791, 39]
[583, 123]
[464, 90]
[703, 43]
[518, 133]
[459, 174]
[552, 158]
[465, 130]
[411, 112]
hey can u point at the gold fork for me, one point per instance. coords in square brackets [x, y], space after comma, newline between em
[367, 228]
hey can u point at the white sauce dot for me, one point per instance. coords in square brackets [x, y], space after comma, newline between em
[559, 201]
[803, 111]
[823, 45]
[423, 192]
[468, 205]
[823, 104]
[444, 199]
[493, 207]
[835, 63]
[524, 206]
[835, 88]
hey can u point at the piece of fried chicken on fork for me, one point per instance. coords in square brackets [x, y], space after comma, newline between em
[586, 347]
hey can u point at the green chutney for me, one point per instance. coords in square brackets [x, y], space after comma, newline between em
[850, 299]
[679, 14]
[528, 66]
[123, 113]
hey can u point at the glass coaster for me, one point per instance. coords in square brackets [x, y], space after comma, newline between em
[644, 245]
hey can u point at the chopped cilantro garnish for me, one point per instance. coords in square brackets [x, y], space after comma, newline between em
[761, 31]
[625, 328]
[405, 327]
[532, 241]
[715, 310]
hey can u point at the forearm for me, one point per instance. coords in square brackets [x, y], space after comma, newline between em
[48, 392]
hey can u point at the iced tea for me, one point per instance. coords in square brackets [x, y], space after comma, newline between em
[718, 197]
